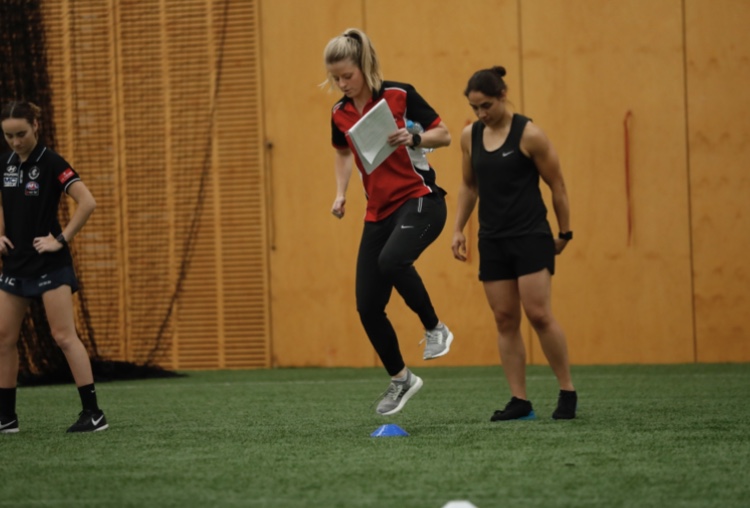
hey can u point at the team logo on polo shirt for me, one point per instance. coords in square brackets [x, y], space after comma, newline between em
[65, 175]
[34, 172]
[10, 178]
[32, 189]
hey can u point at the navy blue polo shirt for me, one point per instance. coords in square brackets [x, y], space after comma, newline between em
[31, 197]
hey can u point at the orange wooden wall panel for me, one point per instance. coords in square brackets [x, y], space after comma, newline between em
[438, 56]
[718, 73]
[312, 255]
[585, 65]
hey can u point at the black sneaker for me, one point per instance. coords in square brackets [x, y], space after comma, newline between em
[8, 424]
[89, 421]
[567, 402]
[516, 409]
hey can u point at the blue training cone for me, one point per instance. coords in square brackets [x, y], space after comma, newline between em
[389, 430]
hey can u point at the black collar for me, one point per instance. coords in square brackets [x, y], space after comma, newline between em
[34, 156]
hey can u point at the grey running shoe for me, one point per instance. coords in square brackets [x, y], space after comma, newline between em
[8, 424]
[438, 342]
[398, 393]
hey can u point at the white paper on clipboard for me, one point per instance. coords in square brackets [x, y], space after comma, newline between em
[370, 136]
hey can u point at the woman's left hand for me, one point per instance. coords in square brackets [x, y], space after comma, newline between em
[47, 244]
[400, 137]
[560, 245]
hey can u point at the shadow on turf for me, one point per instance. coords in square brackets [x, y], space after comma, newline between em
[104, 371]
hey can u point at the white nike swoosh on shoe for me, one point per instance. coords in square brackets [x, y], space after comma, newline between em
[96, 422]
[7, 425]
[406, 227]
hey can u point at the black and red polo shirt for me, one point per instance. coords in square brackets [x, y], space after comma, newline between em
[31, 196]
[396, 180]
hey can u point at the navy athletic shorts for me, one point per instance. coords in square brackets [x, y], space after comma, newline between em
[510, 258]
[30, 287]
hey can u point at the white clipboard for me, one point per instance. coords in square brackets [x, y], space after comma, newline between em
[370, 136]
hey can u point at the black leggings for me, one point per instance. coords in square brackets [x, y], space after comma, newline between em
[387, 253]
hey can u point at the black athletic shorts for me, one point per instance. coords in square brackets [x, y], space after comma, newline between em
[36, 286]
[510, 258]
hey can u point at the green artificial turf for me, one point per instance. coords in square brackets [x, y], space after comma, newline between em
[646, 436]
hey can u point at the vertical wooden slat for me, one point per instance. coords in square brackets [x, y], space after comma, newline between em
[216, 71]
[67, 84]
[169, 164]
[121, 196]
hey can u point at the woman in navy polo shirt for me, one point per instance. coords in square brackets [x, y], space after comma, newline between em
[405, 208]
[36, 258]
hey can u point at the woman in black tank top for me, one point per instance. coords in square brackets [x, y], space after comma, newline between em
[504, 157]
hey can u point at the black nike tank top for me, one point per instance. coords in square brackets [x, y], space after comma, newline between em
[510, 201]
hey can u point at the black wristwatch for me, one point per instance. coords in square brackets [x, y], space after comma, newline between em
[416, 140]
[565, 236]
[60, 238]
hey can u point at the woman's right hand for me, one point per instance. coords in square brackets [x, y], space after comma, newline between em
[458, 246]
[5, 245]
[338, 207]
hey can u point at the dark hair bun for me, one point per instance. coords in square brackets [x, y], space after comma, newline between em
[499, 69]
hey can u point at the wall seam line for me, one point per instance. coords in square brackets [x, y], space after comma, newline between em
[688, 182]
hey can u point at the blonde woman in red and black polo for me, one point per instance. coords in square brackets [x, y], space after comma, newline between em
[405, 208]
[36, 258]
